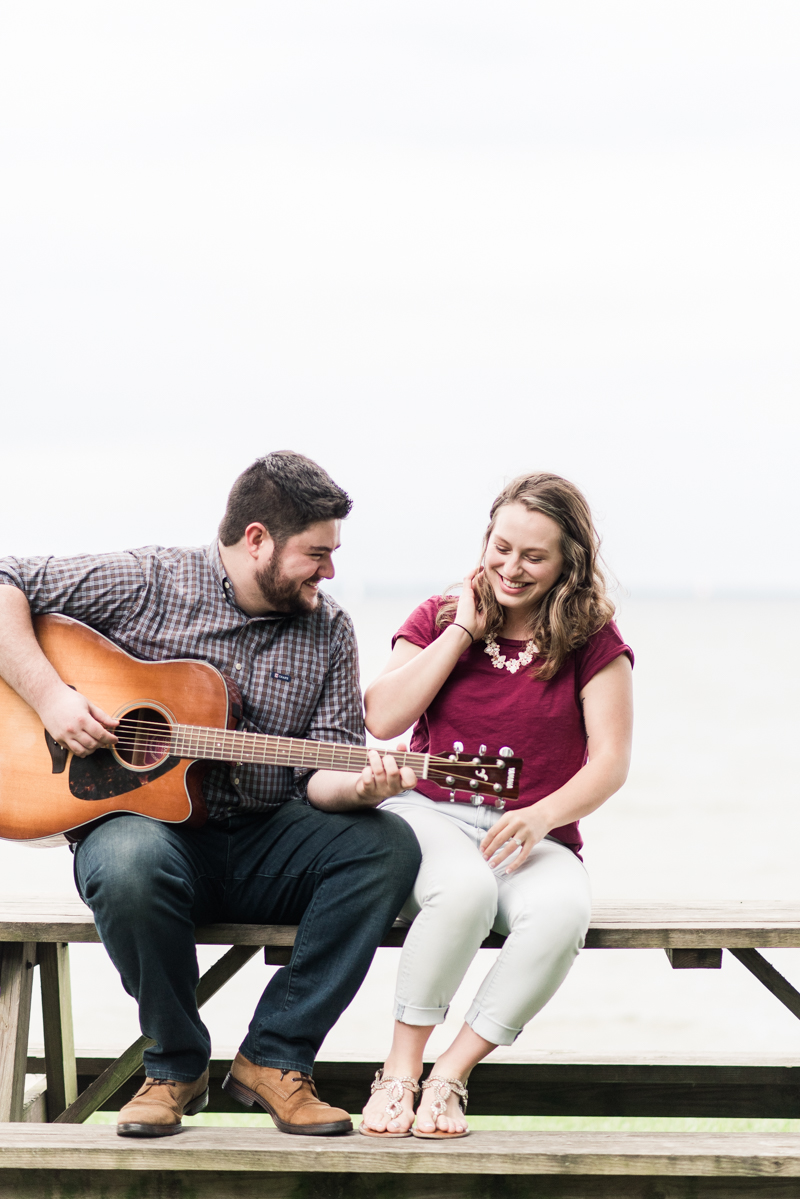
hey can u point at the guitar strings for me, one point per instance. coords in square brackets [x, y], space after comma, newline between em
[154, 738]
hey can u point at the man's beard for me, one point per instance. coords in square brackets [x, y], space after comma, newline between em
[282, 594]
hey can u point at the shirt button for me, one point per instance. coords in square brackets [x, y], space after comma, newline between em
[238, 666]
[236, 781]
[226, 585]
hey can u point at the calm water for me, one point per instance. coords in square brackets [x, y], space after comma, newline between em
[710, 812]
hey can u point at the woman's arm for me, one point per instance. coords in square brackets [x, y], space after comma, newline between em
[413, 677]
[608, 714]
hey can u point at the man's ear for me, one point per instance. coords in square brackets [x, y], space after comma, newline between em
[258, 542]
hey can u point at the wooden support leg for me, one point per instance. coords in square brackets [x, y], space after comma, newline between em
[104, 1086]
[770, 977]
[59, 1044]
[17, 959]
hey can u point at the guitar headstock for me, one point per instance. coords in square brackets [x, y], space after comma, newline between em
[484, 776]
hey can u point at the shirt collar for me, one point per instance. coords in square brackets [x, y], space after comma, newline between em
[214, 559]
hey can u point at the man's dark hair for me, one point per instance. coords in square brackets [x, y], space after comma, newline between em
[285, 492]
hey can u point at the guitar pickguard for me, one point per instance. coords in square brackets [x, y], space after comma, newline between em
[100, 776]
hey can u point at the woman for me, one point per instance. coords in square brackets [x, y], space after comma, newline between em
[528, 658]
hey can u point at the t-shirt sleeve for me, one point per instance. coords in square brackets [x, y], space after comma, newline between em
[602, 647]
[420, 627]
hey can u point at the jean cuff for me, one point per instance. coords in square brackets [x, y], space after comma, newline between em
[490, 1030]
[420, 1015]
[163, 1075]
[275, 1063]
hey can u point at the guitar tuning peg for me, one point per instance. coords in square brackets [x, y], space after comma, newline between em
[499, 805]
[476, 800]
[505, 752]
[458, 746]
[452, 797]
[482, 750]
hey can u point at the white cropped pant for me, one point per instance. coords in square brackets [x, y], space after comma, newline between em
[543, 909]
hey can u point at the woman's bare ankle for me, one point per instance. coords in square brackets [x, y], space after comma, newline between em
[402, 1066]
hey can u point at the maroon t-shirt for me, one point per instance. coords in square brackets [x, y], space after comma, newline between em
[541, 721]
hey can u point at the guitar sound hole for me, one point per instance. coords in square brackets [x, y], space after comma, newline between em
[143, 738]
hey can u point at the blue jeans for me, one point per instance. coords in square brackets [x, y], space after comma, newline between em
[341, 876]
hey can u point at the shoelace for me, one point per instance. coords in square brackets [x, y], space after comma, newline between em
[302, 1078]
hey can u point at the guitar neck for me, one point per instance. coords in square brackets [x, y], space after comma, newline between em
[221, 745]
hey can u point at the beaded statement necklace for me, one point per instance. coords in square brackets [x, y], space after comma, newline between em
[512, 665]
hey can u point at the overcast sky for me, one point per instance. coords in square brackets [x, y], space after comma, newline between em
[432, 244]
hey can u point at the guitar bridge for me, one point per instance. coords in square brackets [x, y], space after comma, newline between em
[58, 753]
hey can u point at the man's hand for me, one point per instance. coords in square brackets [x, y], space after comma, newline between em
[337, 791]
[383, 778]
[75, 723]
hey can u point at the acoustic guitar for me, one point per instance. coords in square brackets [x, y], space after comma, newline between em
[176, 719]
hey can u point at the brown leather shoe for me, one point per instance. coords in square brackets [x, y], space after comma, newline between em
[289, 1096]
[157, 1107]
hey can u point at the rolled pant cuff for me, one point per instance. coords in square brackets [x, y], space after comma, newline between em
[490, 1030]
[276, 1063]
[420, 1015]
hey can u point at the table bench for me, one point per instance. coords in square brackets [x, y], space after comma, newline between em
[65, 1162]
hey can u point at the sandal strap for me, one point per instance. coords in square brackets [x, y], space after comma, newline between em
[444, 1088]
[396, 1088]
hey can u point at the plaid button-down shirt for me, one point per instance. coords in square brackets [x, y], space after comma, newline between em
[298, 675]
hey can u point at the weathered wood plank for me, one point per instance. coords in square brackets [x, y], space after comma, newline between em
[96, 1147]
[59, 1043]
[16, 983]
[614, 926]
[695, 959]
[190, 1184]
[119, 1071]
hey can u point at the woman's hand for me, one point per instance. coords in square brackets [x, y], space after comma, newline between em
[468, 613]
[520, 830]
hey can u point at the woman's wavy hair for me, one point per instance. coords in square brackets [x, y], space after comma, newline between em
[578, 604]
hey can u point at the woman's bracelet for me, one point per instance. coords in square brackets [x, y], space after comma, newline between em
[461, 626]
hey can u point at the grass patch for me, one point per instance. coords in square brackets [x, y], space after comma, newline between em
[673, 1124]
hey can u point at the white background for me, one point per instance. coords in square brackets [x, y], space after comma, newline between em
[433, 243]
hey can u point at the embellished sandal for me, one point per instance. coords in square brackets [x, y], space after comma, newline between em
[443, 1088]
[396, 1088]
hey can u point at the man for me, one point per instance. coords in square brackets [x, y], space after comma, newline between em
[280, 846]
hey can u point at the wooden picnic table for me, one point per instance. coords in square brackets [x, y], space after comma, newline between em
[38, 931]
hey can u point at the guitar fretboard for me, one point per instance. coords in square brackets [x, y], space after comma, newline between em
[220, 745]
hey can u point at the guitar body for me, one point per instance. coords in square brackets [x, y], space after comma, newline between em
[36, 802]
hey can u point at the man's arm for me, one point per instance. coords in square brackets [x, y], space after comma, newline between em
[69, 717]
[336, 791]
[339, 718]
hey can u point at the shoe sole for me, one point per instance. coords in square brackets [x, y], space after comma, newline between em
[386, 1136]
[248, 1097]
[163, 1130]
[438, 1136]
